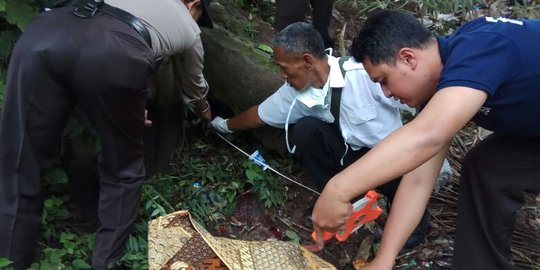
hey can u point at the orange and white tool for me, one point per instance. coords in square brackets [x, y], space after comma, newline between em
[363, 211]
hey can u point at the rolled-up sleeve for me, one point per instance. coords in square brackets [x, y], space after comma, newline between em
[188, 68]
[273, 111]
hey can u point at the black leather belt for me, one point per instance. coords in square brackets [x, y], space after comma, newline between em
[88, 8]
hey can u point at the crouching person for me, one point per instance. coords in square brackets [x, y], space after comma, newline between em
[330, 109]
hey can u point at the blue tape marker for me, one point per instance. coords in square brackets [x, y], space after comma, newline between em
[257, 158]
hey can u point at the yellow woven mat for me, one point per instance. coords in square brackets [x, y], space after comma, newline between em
[177, 242]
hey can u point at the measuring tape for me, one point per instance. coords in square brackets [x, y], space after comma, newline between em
[257, 158]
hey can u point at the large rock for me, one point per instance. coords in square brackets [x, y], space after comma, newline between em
[239, 75]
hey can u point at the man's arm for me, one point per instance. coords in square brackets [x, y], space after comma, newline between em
[401, 152]
[407, 209]
[273, 110]
[247, 119]
[188, 66]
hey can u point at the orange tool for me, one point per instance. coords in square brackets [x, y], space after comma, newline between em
[363, 211]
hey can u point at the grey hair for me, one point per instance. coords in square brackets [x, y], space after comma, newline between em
[300, 38]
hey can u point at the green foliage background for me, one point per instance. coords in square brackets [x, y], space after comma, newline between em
[14, 16]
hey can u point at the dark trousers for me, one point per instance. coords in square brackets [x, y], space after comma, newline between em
[290, 11]
[320, 148]
[102, 65]
[494, 176]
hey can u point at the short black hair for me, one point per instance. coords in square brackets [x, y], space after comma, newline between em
[385, 33]
[299, 38]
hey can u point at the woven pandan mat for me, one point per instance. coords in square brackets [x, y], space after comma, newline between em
[176, 241]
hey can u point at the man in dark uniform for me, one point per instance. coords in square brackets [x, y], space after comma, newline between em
[290, 11]
[99, 56]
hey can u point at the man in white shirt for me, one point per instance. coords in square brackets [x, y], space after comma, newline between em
[324, 146]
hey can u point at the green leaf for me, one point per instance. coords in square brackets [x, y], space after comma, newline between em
[235, 185]
[57, 176]
[155, 213]
[375, 247]
[45, 266]
[133, 245]
[18, 13]
[291, 234]
[80, 264]
[410, 264]
[265, 48]
[7, 39]
[210, 175]
[231, 196]
[252, 175]
[142, 241]
[5, 262]
[2, 8]
[49, 203]
[148, 205]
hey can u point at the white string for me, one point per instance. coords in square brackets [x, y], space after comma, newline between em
[272, 169]
[291, 150]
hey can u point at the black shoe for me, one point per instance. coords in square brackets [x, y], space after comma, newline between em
[418, 235]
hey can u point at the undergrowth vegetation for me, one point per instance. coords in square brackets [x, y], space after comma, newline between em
[207, 181]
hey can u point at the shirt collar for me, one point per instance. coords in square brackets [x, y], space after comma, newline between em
[336, 79]
[443, 47]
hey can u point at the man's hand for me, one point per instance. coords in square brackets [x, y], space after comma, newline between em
[203, 110]
[147, 122]
[330, 213]
[220, 125]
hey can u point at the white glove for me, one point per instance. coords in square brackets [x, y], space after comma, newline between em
[220, 125]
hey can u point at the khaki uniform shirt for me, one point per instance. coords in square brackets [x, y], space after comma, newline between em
[171, 27]
[174, 33]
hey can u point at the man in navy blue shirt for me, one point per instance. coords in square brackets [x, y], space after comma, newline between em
[487, 71]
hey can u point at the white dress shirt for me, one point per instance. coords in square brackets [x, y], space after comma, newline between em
[366, 115]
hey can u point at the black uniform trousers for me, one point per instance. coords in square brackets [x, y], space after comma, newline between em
[320, 147]
[494, 176]
[102, 65]
[291, 11]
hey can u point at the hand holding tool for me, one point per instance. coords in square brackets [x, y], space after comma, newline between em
[363, 211]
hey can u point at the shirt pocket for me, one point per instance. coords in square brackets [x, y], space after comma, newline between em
[363, 114]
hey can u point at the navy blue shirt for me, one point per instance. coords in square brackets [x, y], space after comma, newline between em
[502, 58]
